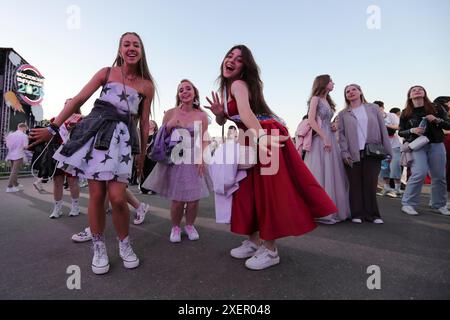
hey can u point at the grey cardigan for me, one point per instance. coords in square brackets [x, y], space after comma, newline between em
[348, 132]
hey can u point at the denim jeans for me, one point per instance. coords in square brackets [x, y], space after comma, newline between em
[431, 157]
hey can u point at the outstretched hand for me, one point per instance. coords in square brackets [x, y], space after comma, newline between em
[216, 106]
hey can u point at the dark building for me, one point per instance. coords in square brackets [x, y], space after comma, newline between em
[21, 88]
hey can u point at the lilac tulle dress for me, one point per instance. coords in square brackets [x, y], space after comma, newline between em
[328, 167]
[179, 182]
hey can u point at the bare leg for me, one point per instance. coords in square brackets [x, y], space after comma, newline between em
[120, 213]
[58, 182]
[191, 212]
[132, 200]
[255, 238]
[270, 244]
[74, 187]
[96, 210]
[176, 212]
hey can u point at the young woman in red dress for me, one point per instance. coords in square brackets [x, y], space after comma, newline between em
[269, 204]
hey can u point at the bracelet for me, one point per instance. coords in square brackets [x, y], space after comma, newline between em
[54, 127]
[50, 129]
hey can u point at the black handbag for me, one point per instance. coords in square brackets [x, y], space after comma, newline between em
[375, 151]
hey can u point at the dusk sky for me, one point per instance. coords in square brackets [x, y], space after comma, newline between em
[385, 46]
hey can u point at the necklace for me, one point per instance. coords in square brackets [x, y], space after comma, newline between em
[128, 77]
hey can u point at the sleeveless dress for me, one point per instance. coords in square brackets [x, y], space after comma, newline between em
[115, 163]
[179, 182]
[328, 168]
[279, 205]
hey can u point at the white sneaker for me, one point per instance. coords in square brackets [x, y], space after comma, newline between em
[191, 233]
[409, 210]
[56, 213]
[357, 220]
[175, 235]
[130, 260]
[38, 186]
[82, 236]
[443, 211]
[140, 213]
[378, 221]
[246, 250]
[100, 261]
[12, 189]
[325, 220]
[75, 211]
[263, 259]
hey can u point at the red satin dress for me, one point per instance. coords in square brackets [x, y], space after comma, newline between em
[279, 205]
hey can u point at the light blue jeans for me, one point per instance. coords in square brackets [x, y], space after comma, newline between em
[430, 158]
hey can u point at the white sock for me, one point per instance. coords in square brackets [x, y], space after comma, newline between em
[397, 186]
[387, 186]
[58, 204]
[74, 203]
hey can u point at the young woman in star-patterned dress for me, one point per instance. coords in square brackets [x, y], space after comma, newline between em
[128, 87]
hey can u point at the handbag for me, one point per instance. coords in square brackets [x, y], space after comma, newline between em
[375, 150]
[419, 143]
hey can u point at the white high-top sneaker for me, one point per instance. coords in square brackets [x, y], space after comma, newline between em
[130, 260]
[75, 211]
[56, 213]
[100, 261]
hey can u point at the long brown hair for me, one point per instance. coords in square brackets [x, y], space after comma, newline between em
[409, 108]
[347, 102]
[251, 76]
[320, 87]
[196, 103]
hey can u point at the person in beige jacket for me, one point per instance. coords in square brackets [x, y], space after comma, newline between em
[361, 123]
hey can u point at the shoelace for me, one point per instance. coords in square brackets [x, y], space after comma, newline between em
[126, 250]
[99, 251]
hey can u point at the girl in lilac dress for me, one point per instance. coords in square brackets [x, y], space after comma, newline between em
[324, 159]
[187, 182]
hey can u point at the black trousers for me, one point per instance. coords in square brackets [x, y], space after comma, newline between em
[363, 180]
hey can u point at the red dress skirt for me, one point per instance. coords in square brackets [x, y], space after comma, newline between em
[279, 205]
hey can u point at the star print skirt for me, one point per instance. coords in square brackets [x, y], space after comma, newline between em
[114, 164]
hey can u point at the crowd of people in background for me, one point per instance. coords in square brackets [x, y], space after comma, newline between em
[330, 175]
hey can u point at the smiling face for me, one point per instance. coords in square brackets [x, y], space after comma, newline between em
[186, 92]
[130, 49]
[233, 65]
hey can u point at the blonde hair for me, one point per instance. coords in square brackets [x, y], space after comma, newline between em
[347, 102]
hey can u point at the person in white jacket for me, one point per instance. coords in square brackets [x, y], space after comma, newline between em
[17, 143]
